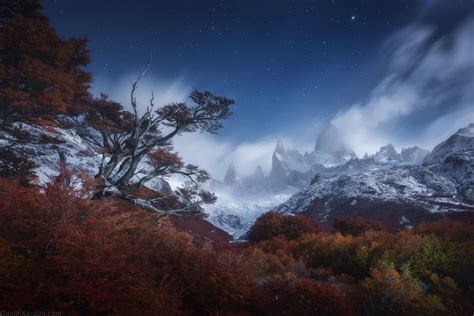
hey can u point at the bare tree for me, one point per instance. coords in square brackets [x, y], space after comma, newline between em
[137, 148]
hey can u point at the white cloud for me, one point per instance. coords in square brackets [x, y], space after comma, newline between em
[165, 91]
[215, 155]
[210, 152]
[424, 73]
[446, 125]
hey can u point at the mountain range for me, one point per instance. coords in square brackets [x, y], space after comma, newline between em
[397, 188]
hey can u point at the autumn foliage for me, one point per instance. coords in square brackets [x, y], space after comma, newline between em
[355, 225]
[270, 225]
[41, 74]
[62, 251]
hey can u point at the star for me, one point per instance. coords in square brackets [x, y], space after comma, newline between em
[353, 18]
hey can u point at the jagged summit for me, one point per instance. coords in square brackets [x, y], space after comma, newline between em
[331, 149]
[454, 158]
[280, 148]
[387, 153]
[255, 180]
[387, 188]
[290, 167]
[414, 155]
[467, 131]
[462, 142]
[231, 175]
[279, 170]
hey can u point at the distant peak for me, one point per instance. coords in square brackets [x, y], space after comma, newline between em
[387, 149]
[388, 146]
[331, 143]
[414, 154]
[467, 131]
[231, 174]
[259, 172]
[387, 153]
[280, 147]
[280, 143]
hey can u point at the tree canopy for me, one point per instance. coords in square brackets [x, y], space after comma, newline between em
[41, 74]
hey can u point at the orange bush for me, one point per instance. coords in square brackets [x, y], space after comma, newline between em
[355, 225]
[271, 224]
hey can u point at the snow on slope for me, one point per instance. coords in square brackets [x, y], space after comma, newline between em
[454, 158]
[235, 212]
[461, 142]
[444, 182]
[414, 155]
[384, 183]
[43, 147]
[409, 184]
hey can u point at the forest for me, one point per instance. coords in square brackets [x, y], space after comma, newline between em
[101, 244]
[62, 251]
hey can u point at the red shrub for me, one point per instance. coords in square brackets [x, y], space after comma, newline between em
[99, 256]
[271, 224]
[356, 225]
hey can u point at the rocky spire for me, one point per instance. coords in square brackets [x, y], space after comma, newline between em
[387, 153]
[231, 174]
[280, 148]
[331, 144]
[414, 155]
[259, 173]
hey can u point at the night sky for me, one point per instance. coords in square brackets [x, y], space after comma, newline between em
[286, 63]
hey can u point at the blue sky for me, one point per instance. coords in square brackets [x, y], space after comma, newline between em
[291, 66]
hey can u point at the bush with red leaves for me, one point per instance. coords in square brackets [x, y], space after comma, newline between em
[271, 224]
[62, 251]
[103, 256]
[356, 225]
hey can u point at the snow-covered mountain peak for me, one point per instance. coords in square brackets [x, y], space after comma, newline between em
[280, 148]
[330, 148]
[467, 131]
[414, 155]
[231, 175]
[460, 144]
[386, 154]
[389, 186]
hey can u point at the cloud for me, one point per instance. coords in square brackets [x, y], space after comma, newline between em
[210, 152]
[426, 73]
[215, 155]
[446, 125]
[165, 90]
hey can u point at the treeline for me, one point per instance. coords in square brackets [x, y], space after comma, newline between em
[62, 251]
